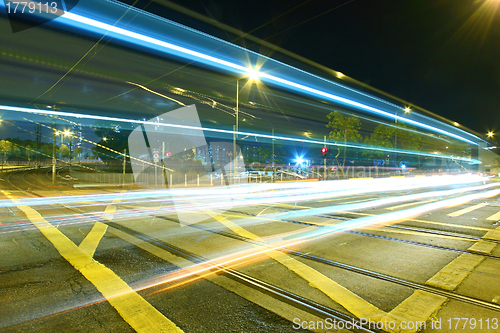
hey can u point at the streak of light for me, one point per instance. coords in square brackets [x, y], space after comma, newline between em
[156, 93]
[131, 36]
[324, 231]
[246, 256]
[264, 192]
[225, 202]
[275, 137]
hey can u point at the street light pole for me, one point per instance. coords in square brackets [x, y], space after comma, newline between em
[235, 128]
[54, 136]
[324, 167]
[237, 103]
[396, 144]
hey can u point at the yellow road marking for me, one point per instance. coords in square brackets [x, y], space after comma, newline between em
[493, 234]
[467, 210]
[111, 208]
[416, 309]
[409, 204]
[494, 217]
[483, 247]
[134, 309]
[91, 241]
[455, 272]
[349, 300]
[268, 302]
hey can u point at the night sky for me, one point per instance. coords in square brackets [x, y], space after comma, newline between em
[442, 55]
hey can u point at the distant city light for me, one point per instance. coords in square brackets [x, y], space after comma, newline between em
[299, 160]
[407, 109]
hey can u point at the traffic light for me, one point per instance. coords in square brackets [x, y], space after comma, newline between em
[324, 151]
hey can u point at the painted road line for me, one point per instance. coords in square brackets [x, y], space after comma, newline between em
[493, 234]
[494, 217]
[111, 208]
[455, 272]
[93, 238]
[467, 210]
[285, 310]
[134, 309]
[341, 295]
[416, 309]
[409, 204]
[483, 247]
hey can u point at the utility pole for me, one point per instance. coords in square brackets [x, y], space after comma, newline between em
[324, 161]
[124, 161]
[162, 161]
[54, 150]
[70, 150]
[396, 144]
[274, 170]
[38, 139]
[234, 152]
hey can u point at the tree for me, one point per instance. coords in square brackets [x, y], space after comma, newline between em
[345, 129]
[382, 136]
[64, 151]
[6, 148]
[77, 153]
[113, 141]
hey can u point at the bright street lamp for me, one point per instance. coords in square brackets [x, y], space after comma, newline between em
[490, 134]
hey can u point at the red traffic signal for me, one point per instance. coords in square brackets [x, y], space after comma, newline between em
[324, 150]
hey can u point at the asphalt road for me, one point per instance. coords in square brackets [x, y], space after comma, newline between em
[113, 259]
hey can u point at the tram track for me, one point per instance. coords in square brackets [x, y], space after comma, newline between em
[297, 301]
[276, 292]
[352, 268]
[468, 238]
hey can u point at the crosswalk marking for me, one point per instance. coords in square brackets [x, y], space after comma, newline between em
[467, 210]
